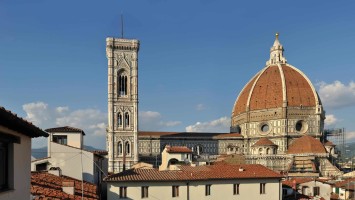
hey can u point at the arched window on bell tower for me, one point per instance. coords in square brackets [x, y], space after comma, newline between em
[127, 148]
[126, 119]
[119, 119]
[119, 148]
[122, 84]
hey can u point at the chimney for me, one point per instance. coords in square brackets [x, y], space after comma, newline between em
[55, 171]
[68, 187]
[241, 169]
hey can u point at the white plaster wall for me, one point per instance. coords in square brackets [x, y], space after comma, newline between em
[69, 160]
[325, 189]
[249, 189]
[21, 168]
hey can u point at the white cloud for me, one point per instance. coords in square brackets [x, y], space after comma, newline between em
[37, 113]
[337, 94]
[92, 121]
[62, 109]
[330, 120]
[350, 136]
[200, 107]
[219, 125]
[152, 121]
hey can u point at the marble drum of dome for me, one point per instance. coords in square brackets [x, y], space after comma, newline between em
[279, 100]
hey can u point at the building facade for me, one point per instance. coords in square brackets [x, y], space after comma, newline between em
[277, 107]
[65, 150]
[221, 181]
[122, 130]
[15, 155]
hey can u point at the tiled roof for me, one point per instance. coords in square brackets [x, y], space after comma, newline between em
[265, 90]
[189, 173]
[48, 186]
[178, 149]
[65, 129]
[264, 142]
[329, 143]
[347, 183]
[182, 134]
[306, 144]
[100, 152]
[18, 124]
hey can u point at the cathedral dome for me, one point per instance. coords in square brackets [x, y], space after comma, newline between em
[277, 85]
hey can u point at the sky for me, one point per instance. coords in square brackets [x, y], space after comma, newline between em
[194, 59]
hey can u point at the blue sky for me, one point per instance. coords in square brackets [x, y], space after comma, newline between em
[194, 59]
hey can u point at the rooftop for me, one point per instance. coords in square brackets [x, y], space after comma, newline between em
[306, 144]
[45, 185]
[178, 149]
[264, 142]
[189, 173]
[18, 124]
[65, 129]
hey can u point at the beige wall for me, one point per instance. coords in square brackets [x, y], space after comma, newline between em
[249, 189]
[20, 170]
[324, 189]
[73, 139]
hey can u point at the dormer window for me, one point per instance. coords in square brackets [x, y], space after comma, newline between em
[60, 139]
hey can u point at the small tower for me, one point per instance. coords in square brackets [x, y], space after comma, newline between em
[121, 138]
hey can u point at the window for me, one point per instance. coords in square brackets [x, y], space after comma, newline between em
[175, 192]
[208, 190]
[123, 192]
[61, 139]
[122, 85]
[127, 148]
[119, 146]
[236, 189]
[126, 119]
[4, 165]
[316, 191]
[265, 128]
[144, 192]
[119, 119]
[41, 167]
[262, 188]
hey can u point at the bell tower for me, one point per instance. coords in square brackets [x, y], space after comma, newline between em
[122, 129]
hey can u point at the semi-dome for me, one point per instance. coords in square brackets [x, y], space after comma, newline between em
[277, 85]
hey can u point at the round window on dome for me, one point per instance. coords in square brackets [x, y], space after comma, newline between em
[265, 128]
[301, 126]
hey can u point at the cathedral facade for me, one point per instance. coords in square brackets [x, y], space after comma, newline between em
[276, 109]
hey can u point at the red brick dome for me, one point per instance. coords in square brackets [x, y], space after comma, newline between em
[276, 86]
[306, 144]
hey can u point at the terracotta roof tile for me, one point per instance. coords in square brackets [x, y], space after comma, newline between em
[228, 135]
[264, 90]
[65, 129]
[221, 171]
[306, 144]
[45, 185]
[16, 123]
[178, 149]
[329, 143]
[264, 142]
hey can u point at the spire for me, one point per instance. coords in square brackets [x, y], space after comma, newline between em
[276, 53]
